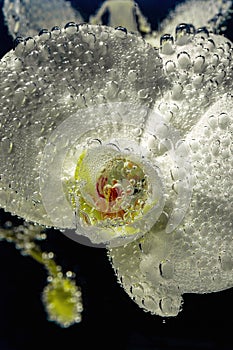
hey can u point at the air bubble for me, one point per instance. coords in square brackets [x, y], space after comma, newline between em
[170, 66]
[199, 64]
[198, 80]
[203, 32]
[44, 35]
[220, 51]
[132, 75]
[18, 40]
[215, 59]
[194, 145]
[6, 146]
[113, 89]
[123, 29]
[71, 28]
[167, 44]
[223, 120]
[213, 122]
[30, 43]
[166, 269]
[210, 45]
[19, 45]
[121, 32]
[90, 39]
[184, 60]
[184, 32]
[56, 31]
[215, 149]
[220, 76]
[226, 262]
[143, 94]
[177, 92]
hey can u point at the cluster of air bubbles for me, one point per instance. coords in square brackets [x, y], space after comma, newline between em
[183, 34]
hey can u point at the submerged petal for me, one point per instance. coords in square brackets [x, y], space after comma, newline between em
[207, 15]
[196, 257]
[57, 76]
[27, 18]
[199, 71]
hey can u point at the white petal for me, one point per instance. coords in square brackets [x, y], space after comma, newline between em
[27, 18]
[197, 256]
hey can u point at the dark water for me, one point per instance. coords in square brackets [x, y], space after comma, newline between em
[110, 319]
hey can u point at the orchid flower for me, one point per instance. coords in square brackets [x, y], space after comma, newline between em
[125, 143]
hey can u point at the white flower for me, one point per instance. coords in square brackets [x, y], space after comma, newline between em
[129, 146]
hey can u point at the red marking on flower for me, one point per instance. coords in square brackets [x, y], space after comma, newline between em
[113, 194]
[108, 195]
[100, 186]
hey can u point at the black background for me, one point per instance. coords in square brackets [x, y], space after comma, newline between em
[110, 319]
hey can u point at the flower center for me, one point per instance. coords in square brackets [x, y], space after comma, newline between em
[119, 196]
[112, 194]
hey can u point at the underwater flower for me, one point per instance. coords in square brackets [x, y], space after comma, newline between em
[210, 14]
[129, 146]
